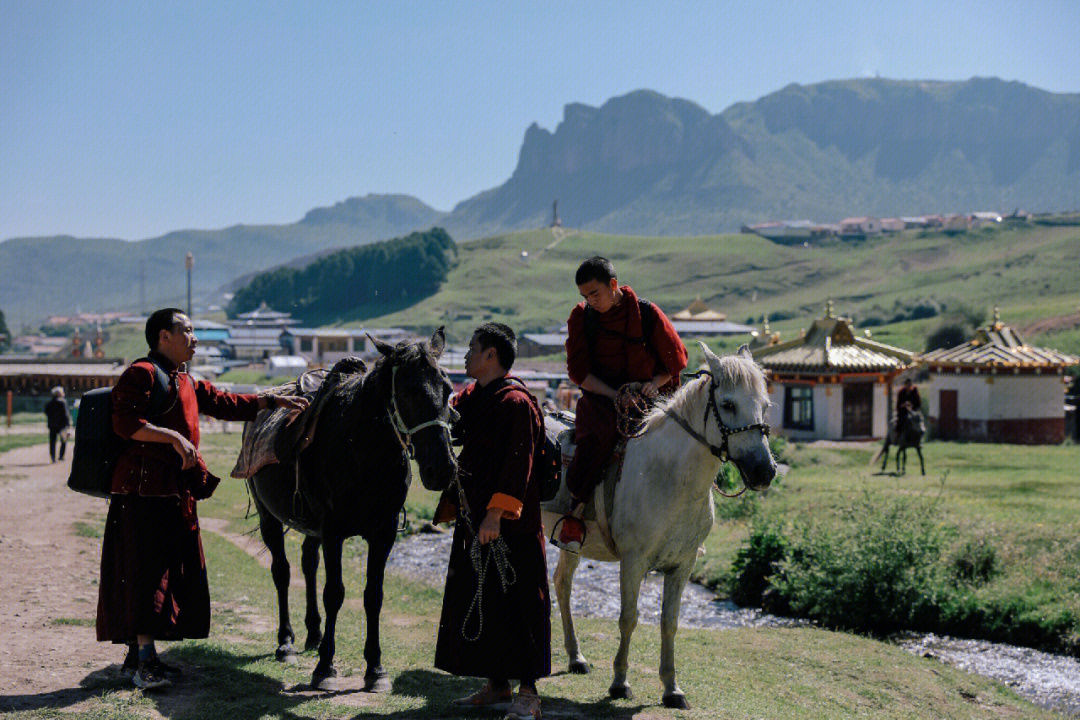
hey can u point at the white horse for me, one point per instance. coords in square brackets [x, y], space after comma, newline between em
[663, 508]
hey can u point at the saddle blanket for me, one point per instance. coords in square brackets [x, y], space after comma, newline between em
[257, 447]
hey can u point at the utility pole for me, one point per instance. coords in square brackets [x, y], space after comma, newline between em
[189, 263]
[142, 285]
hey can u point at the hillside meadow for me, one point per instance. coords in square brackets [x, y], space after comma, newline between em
[1029, 271]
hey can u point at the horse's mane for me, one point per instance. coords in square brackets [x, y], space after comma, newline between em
[732, 371]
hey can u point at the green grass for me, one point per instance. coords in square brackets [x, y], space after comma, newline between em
[1025, 270]
[89, 530]
[10, 442]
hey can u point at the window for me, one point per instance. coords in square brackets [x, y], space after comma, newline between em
[305, 344]
[799, 407]
[334, 344]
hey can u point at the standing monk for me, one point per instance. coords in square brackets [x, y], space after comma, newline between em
[153, 573]
[507, 635]
[614, 338]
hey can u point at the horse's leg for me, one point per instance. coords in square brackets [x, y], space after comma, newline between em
[564, 581]
[375, 678]
[333, 596]
[922, 465]
[674, 583]
[885, 454]
[630, 576]
[309, 561]
[273, 536]
[899, 452]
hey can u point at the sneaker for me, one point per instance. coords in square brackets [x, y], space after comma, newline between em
[147, 677]
[524, 707]
[164, 668]
[571, 534]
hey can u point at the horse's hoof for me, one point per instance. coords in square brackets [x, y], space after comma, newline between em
[312, 642]
[377, 682]
[324, 679]
[579, 667]
[676, 701]
[285, 654]
[621, 692]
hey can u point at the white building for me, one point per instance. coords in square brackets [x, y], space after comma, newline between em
[325, 346]
[997, 388]
[830, 383]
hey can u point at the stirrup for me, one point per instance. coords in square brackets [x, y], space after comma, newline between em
[568, 547]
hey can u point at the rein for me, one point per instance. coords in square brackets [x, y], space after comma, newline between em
[726, 432]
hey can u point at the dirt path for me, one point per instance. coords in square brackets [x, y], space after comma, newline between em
[48, 598]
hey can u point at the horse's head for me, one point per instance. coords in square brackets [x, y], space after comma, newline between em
[916, 427]
[736, 414]
[416, 392]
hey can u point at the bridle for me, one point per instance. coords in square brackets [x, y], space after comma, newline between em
[403, 432]
[726, 432]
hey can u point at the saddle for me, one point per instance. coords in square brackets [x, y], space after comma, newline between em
[271, 439]
[597, 512]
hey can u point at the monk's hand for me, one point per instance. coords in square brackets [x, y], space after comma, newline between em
[649, 390]
[188, 454]
[490, 526]
[293, 404]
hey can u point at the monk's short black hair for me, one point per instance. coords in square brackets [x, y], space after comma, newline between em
[164, 319]
[500, 337]
[595, 268]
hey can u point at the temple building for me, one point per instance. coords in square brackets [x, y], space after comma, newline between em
[831, 383]
[997, 388]
[697, 319]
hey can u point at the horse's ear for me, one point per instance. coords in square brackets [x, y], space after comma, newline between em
[710, 356]
[385, 348]
[438, 342]
[744, 351]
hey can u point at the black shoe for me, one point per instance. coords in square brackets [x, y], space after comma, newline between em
[131, 660]
[164, 668]
[147, 677]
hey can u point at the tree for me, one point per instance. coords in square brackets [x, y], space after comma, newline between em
[5, 334]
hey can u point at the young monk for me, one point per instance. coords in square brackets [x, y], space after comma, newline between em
[606, 348]
[508, 636]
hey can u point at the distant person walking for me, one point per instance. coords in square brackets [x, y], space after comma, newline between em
[58, 419]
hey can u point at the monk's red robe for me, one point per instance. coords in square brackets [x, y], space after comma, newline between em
[616, 362]
[500, 429]
[153, 571]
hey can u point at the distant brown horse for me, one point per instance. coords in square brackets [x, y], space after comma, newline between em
[904, 434]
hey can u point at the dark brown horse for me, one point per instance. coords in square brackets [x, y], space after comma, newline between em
[904, 433]
[352, 481]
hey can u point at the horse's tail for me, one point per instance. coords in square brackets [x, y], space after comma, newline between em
[884, 447]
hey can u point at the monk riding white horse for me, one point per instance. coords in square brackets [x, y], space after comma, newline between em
[663, 508]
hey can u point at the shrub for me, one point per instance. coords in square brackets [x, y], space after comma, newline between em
[755, 564]
[947, 335]
[974, 562]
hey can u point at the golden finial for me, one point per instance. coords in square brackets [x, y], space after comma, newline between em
[765, 325]
[828, 308]
[997, 315]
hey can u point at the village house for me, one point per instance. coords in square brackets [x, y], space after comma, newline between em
[859, 227]
[830, 383]
[325, 346]
[997, 388]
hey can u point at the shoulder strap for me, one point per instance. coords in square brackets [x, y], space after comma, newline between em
[648, 324]
[648, 320]
[592, 328]
[159, 392]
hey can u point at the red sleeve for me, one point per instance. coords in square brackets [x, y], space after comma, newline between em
[225, 405]
[668, 346]
[578, 362]
[517, 413]
[131, 399]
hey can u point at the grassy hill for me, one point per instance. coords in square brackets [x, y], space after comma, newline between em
[1029, 271]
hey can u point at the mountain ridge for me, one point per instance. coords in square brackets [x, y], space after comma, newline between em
[643, 163]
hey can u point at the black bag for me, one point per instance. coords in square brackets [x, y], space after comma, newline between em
[97, 446]
[548, 463]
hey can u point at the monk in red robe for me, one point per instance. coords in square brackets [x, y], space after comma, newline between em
[507, 635]
[614, 338]
[153, 572]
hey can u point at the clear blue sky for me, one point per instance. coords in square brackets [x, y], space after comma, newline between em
[130, 119]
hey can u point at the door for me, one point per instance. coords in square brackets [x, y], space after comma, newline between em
[947, 422]
[858, 409]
